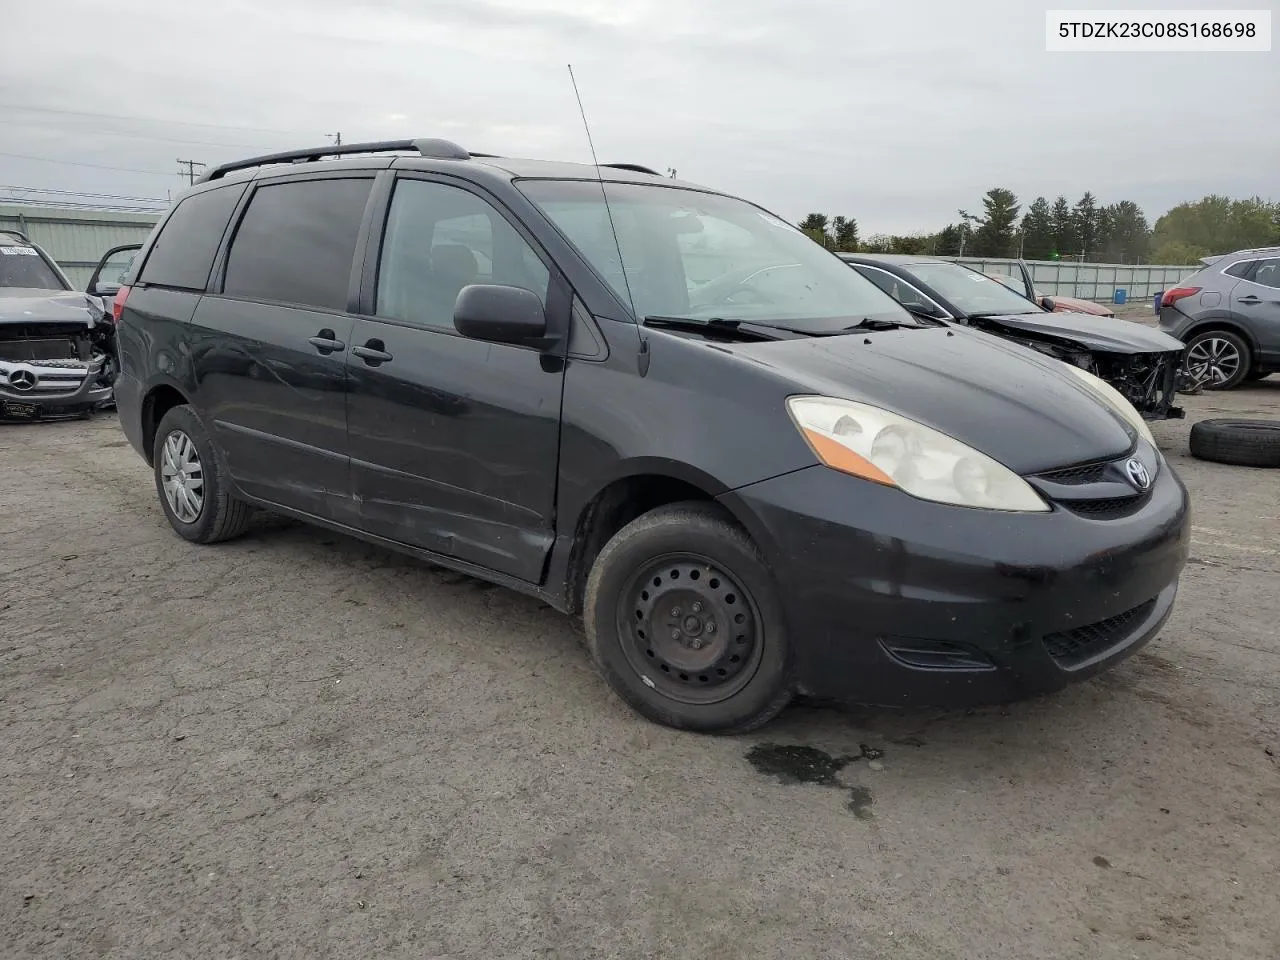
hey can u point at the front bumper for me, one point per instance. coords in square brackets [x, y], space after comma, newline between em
[52, 389]
[891, 600]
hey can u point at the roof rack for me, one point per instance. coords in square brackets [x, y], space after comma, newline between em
[633, 167]
[16, 233]
[426, 147]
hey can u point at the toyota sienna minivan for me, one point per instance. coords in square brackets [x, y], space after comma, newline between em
[750, 470]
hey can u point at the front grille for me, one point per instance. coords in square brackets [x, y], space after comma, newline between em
[1074, 647]
[30, 350]
[1110, 509]
[1088, 473]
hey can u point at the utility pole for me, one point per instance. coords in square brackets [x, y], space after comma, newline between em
[337, 138]
[190, 172]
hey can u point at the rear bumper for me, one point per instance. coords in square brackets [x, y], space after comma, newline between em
[896, 601]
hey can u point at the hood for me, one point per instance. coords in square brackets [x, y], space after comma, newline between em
[1108, 335]
[1077, 305]
[1007, 401]
[48, 306]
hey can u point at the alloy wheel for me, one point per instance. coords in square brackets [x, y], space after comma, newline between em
[1213, 359]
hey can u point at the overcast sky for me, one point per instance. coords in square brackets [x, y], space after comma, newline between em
[896, 113]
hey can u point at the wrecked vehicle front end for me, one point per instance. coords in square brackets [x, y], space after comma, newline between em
[57, 356]
[1143, 364]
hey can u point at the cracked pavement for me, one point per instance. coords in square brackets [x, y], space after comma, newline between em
[296, 745]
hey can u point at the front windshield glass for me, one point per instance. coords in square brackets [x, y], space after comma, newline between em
[968, 291]
[22, 267]
[701, 255]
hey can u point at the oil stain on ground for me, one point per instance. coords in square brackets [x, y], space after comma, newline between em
[793, 763]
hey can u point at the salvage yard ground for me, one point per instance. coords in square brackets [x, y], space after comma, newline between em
[296, 745]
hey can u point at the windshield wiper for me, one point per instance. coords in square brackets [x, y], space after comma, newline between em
[867, 323]
[720, 325]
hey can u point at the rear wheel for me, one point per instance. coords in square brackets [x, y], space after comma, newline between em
[1219, 359]
[683, 619]
[190, 482]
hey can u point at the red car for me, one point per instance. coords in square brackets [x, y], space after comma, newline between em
[1023, 285]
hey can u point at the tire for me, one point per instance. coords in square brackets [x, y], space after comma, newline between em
[728, 681]
[219, 515]
[1244, 443]
[1221, 355]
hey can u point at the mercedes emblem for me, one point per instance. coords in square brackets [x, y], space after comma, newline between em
[23, 379]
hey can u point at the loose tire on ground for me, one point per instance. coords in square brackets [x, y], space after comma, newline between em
[220, 516]
[1244, 443]
[683, 619]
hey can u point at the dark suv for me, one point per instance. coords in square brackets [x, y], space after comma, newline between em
[751, 470]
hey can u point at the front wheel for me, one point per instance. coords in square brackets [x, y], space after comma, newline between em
[1219, 359]
[683, 619]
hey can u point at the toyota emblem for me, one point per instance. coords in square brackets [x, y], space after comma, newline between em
[1138, 474]
[23, 379]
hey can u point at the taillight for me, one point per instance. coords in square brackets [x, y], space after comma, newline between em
[1177, 293]
[117, 305]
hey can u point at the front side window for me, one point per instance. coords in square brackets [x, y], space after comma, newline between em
[693, 254]
[297, 241]
[22, 267]
[897, 288]
[440, 239]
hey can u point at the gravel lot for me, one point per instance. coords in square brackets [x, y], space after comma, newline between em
[295, 745]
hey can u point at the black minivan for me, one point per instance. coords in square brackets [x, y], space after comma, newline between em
[751, 471]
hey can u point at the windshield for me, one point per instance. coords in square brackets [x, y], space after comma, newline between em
[22, 267]
[970, 292]
[700, 255]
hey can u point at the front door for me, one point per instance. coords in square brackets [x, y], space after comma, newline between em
[453, 441]
[1256, 301]
[268, 345]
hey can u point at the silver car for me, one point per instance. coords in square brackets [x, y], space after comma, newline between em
[1228, 315]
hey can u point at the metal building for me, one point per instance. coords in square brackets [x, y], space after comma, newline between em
[76, 237]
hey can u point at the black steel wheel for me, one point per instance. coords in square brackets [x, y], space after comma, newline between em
[683, 619]
[690, 627]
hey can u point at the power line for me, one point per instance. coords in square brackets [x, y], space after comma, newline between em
[143, 136]
[81, 163]
[118, 116]
[76, 205]
[80, 193]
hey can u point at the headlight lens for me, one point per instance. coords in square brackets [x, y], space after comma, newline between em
[867, 442]
[1114, 399]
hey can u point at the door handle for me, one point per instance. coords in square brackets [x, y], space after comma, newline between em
[326, 341]
[1251, 299]
[372, 353]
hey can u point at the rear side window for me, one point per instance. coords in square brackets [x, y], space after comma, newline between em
[1268, 273]
[297, 241]
[1240, 269]
[182, 255]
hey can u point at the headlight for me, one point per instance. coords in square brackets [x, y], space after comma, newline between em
[1114, 399]
[867, 442]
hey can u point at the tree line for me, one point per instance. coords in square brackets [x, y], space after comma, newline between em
[1086, 230]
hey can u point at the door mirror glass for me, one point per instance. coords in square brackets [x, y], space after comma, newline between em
[1048, 303]
[500, 314]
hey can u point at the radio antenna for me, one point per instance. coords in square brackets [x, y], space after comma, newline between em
[613, 227]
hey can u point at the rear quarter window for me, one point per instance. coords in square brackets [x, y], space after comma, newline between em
[183, 253]
[1240, 269]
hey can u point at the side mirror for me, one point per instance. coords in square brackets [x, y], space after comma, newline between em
[500, 314]
[105, 289]
[923, 310]
[1048, 304]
